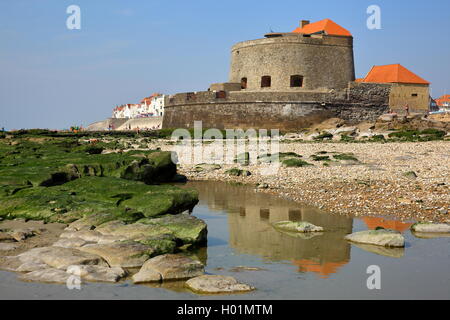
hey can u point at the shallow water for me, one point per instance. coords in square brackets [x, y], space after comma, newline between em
[317, 267]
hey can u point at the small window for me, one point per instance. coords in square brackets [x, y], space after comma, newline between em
[244, 83]
[266, 82]
[296, 81]
[190, 96]
[221, 95]
[414, 95]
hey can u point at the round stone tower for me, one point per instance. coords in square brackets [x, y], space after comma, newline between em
[294, 61]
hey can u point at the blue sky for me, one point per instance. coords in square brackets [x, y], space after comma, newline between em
[52, 77]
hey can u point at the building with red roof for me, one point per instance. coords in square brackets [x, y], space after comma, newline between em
[408, 90]
[326, 26]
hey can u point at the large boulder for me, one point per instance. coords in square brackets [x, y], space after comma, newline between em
[184, 227]
[97, 273]
[215, 284]
[60, 258]
[134, 231]
[381, 237]
[8, 246]
[169, 267]
[49, 275]
[424, 227]
[125, 254]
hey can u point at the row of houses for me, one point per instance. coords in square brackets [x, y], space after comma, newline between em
[444, 102]
[152, 106]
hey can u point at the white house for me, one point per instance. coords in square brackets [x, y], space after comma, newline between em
[152, 106]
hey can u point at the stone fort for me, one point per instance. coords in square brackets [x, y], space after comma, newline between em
[286, 81]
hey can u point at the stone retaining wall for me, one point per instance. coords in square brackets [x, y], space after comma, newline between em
[275, 110]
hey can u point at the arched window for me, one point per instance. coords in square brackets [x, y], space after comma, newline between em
[244, 83]
[296, 81]
[266, 81]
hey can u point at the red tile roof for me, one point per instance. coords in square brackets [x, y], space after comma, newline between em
[393, 73]
[149, 99]
[327, 26]
[445, 98]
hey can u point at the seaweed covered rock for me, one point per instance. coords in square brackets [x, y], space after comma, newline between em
[122, 199]
[185, 228]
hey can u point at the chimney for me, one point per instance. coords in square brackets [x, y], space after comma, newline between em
[303, 23]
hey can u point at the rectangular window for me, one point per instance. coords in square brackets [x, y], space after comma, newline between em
[190, 96]
[221, 95]
[296, 81]
[266, 82]
[414, 95]
[244, 83]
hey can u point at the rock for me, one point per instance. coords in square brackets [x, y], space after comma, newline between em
[345, 131]
[22, 234]
[126, 254]
[5, 236]
[292, 136]
[31, 266]
[133, 231]
[8, 246]
[262, 186]
[238, 172]
[206, 167]
[145, 276]
[60, 258]
[410, 175]
[302, 226]
[50, 275]
[169, 267]
[217, 284]
[387, 117]
[86, 235]
[442, 211]
[431, 227]
[382, 237]
[70, 243]
[10, 263]
[97, 273]
[184, 227]
[244, 268]
[91, 221]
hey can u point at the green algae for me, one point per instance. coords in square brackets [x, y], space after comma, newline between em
[63, 179]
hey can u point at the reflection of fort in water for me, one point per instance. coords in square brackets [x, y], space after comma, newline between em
[249, 218]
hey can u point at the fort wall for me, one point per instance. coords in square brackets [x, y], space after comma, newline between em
[322, 62]
[275, 110]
